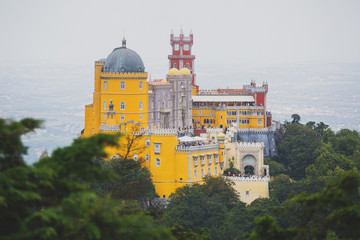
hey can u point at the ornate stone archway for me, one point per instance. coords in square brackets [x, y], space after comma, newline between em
[248, 160]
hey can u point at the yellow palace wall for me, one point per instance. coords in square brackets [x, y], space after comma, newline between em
[220, 117]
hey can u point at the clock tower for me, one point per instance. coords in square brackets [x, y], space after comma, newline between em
[181, 54]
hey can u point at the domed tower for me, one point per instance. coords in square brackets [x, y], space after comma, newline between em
[120, 84]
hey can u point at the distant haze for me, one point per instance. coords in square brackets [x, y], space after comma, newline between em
[275, 31]
[307, 50]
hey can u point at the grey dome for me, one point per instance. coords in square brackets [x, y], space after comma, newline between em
[122, 60]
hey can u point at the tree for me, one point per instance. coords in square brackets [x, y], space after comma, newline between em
[219, 189]
[130, 180]
[334, 213]
[202, 206]
[52, 199]
[296, 118]
[296, 150]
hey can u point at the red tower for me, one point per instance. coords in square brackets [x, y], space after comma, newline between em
[181, 53]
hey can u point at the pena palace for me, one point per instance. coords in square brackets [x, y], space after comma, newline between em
[181, 131]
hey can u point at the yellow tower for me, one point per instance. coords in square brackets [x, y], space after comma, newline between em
[120, 93]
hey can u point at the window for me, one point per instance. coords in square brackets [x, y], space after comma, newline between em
[157, 148]
[216, 158]
[209, 159]
[202, 173]
[157, 162]
[202, 160]
[196, 161]
[105, 105]
[135, 157]
[105, 116]
[215, 170]
[220, 116]
[105, 85]
[209, 171]
[195, 173]
[141, 117]
[174, 65]
[140, 105]
[188, 66]
[147, 142]
[122, 117]
[122, 85]
[200, 112]
[122, 105]
[247, 192]
[146, 157]
[140, 85]
[211, 112]
[259, 122]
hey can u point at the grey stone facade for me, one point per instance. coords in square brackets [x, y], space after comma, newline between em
[170, 102]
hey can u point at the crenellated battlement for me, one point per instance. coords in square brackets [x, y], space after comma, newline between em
[158, 132]
[125, 75]
[249, 179]
[214, 130]
[250, 145]
[99, 63]
[105, 128]
[256, 130]
[210, 146]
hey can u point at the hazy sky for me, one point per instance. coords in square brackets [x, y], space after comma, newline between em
[251, 31]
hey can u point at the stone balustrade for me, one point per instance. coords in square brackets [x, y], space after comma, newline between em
[248, 179]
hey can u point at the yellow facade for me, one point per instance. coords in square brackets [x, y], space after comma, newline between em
[128, 92]
[171, 165]
[216, 118]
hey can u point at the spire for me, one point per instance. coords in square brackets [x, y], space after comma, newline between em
[124, 42]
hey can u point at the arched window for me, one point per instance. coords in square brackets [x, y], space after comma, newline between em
[146, 157]
[135, 157]
[157, 162]
[147, 142]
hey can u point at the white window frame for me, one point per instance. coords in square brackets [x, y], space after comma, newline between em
[202, 158]
[141, 117]
[104, 116]
[196, 161]
[122, 117]
[135, 157]
[209, 172]
[147, 142]
[195, 173]
[216, 172]
[216, 156]
[141, 85]
[200, 112]
[141, 105]
[122, 85]
[202, 173]
[122, 105]
[147, 157]
[157, 148]
[209, 159]
[105, 85]
[157, 162]
[105, 105]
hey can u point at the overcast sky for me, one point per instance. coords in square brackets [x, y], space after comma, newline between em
[252, 31]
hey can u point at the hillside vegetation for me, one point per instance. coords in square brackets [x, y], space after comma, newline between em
[73, 194]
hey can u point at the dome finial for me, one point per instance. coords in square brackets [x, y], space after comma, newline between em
[124, 42]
